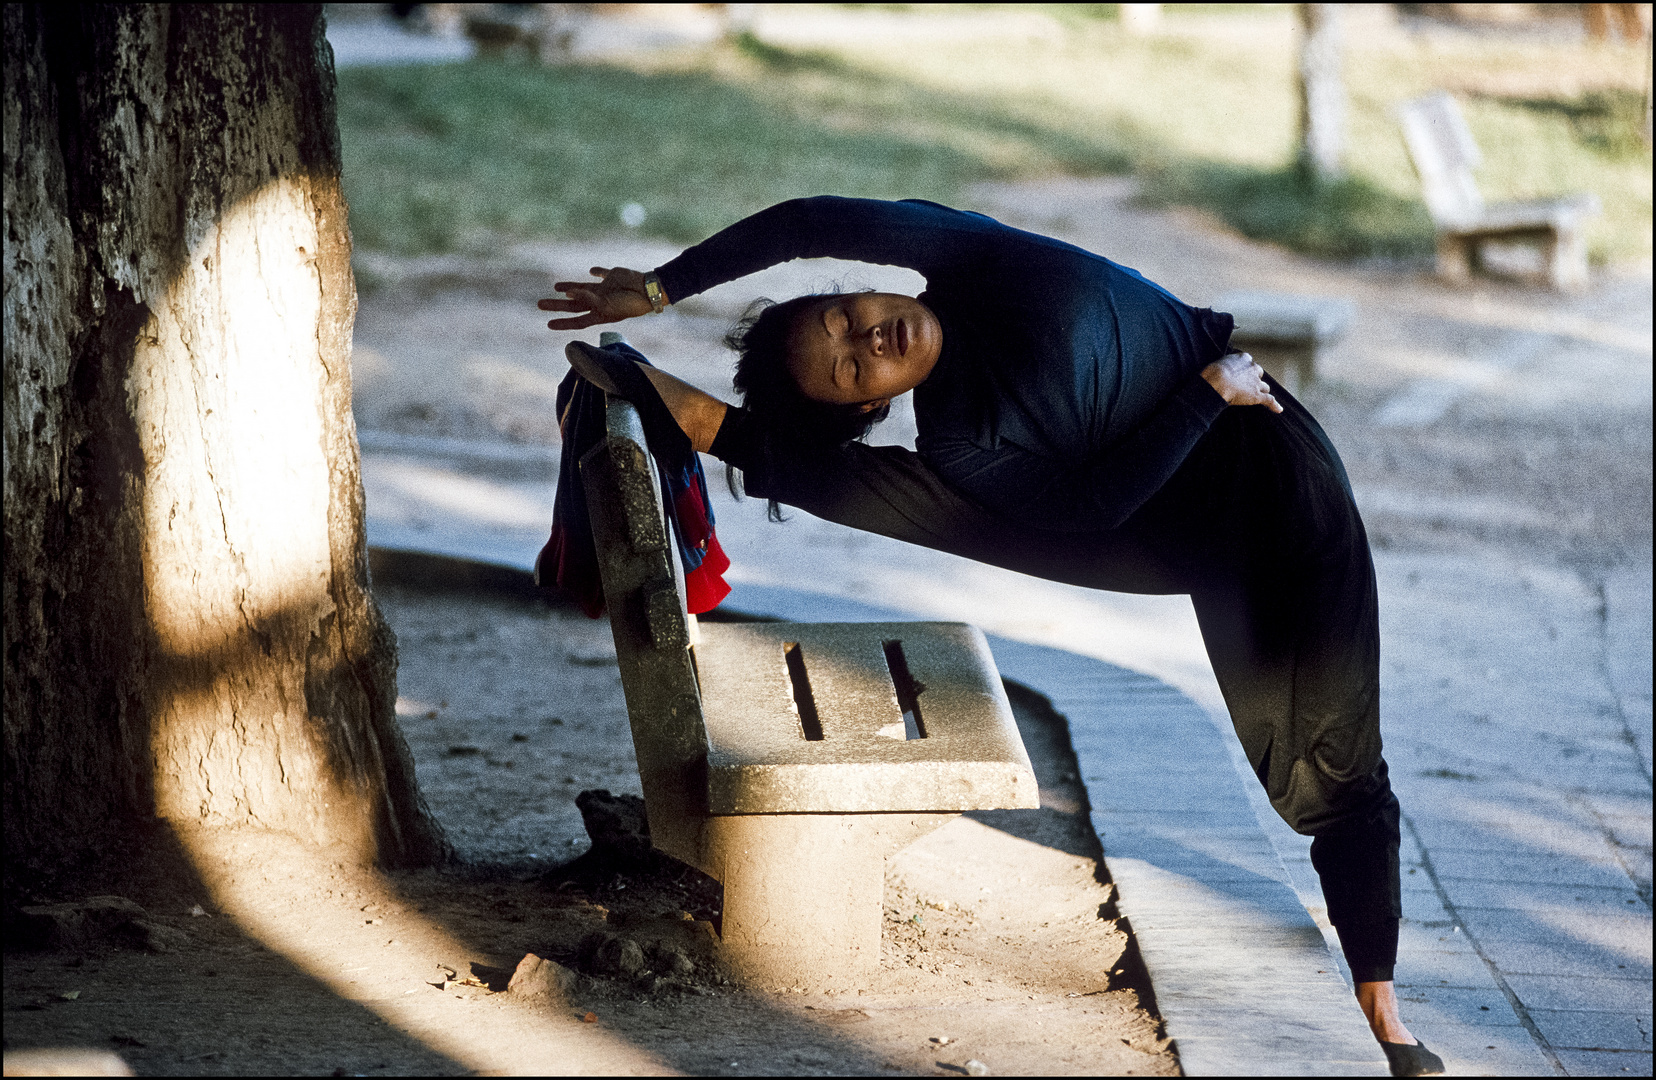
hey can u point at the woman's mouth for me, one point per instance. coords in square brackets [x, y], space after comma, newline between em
[900, 336]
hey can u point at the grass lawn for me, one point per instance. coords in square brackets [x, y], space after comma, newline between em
[466, 156]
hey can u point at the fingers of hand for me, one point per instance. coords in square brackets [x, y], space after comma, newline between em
[580, 322]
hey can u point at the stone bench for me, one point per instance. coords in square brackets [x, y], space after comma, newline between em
[788, 760]
[1286, 334]
[1445, 155]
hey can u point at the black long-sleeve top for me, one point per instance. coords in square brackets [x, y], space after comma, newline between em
[1066, 393]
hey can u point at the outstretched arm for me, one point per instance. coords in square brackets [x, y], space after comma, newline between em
[919, 235]
[922, 236]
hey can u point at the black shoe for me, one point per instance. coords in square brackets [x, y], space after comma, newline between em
[1413, 1060]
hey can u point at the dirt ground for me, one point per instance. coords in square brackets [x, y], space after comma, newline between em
[1000, 944]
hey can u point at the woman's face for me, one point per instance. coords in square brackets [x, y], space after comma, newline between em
[863, 348]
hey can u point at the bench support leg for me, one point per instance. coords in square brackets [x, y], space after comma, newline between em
[803, 902]
[1454, 257]
[1566, 256]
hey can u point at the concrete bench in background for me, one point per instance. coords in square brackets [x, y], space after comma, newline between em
[788, 760]
[1286, 333]
[1444, 155]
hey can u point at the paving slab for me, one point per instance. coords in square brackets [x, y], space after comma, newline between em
[1627, 654]
[1534, 896]
[1430, 968]
[1467, 1007]
[1424, 907]
[1561, 958]
[1485, 866]
[1580, 1030]
[1630, 996]
[1439, 938]
[1471, 1050]
[1606, 1062]
[1624, 936]
[1518, 837]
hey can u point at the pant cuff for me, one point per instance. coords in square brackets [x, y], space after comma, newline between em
[1372, 972]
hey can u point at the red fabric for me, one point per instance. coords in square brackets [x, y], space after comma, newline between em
[575, 567]
[704, 587]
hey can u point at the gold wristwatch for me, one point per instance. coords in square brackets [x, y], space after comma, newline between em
[655, 293]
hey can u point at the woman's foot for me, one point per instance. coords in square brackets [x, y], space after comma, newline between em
[1412, 1060]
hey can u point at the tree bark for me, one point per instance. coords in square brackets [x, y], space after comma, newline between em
[188, 629]
[1322, 93]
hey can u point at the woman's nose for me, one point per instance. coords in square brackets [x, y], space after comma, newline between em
[877, 341]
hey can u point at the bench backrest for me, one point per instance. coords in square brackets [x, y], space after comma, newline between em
[1444, 155]
[644, 591]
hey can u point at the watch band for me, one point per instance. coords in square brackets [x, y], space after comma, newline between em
[655, 293]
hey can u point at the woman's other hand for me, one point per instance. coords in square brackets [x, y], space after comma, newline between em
[1240, 381]
[618, 294]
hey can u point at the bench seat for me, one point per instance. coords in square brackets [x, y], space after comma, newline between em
[1498, 219]
[969, 756]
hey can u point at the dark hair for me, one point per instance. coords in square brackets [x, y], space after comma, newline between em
[772, 397]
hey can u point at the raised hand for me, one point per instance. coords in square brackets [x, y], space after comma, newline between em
[618, 294]
[1240, 381]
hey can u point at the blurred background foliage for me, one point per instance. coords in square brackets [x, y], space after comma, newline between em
[465, 156]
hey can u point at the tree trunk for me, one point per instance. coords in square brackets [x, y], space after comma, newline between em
[188, 630]
[1322, 94]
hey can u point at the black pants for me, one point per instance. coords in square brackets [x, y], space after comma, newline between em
[1260, 526]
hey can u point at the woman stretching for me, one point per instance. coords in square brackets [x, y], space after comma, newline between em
[1076, 422]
